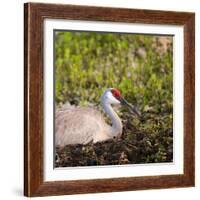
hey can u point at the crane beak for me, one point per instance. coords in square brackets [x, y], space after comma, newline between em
[131, 107]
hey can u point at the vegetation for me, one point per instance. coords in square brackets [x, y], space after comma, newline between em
[141, 67]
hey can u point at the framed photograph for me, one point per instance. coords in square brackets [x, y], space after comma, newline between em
[108, 99]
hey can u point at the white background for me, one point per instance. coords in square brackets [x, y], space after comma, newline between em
[51, 174]
[11, 100]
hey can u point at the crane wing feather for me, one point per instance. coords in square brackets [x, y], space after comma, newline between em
[77, 125]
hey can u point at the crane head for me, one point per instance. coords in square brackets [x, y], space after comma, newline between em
[113, 96]
[116, 93]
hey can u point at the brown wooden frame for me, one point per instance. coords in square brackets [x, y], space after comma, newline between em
[34, 15]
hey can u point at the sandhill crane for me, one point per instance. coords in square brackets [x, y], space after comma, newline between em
[81, 125]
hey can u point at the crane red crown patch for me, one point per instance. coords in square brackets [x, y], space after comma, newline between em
[116, 93]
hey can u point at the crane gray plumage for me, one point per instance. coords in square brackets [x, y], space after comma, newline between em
[81, 125]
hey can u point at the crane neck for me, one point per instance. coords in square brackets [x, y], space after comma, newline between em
[116, 129]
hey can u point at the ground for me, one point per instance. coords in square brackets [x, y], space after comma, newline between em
[138, 144]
